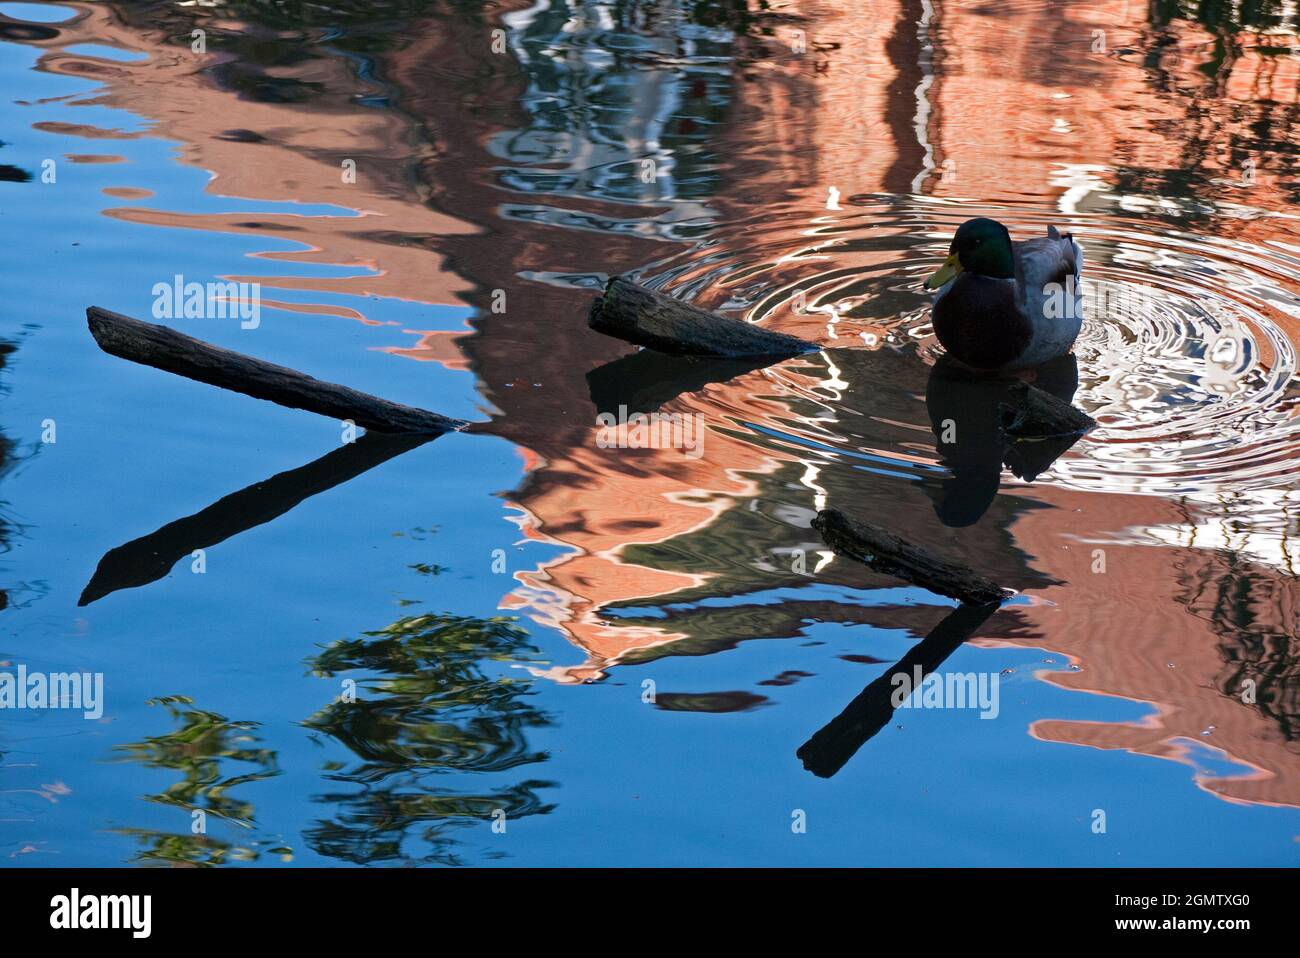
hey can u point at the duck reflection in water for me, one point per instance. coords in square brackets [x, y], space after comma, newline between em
[968, 412]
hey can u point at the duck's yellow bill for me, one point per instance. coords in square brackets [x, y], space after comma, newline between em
[950, 268]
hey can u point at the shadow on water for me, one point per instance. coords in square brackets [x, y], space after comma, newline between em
[149, 558]
[645, 380]
[12, 174]
[827, 751]
[419, 711]
[753, 571]
[967, 418]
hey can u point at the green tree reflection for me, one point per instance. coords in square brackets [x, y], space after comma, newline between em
[203, 748]
[429, 711]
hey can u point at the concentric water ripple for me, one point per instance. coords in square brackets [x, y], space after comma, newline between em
[1187, 357]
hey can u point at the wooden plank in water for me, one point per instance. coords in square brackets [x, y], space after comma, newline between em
[174, 352]
[887, 553]
[647, 318]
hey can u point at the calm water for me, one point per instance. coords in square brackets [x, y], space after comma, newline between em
[617, 654]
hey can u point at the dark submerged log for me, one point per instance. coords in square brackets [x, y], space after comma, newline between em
[183, 355]
[151, 557]
[642, 316]
[1037, 414]
[833, 745]
[885, 552]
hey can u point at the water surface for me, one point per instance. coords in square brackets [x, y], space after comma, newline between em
[617, 656]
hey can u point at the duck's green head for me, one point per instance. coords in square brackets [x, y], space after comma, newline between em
[981, 246]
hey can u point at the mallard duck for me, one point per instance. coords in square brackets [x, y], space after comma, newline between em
[1002, 305]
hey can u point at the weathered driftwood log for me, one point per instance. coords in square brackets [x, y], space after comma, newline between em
[151, 557]
[885, 552]
[831, 746]
[657, 321]
[175, 352]
[1036, 414]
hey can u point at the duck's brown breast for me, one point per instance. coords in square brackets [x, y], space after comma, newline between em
[977, 321]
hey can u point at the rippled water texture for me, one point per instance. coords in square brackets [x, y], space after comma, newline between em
[1185, 358]
[545, 630]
